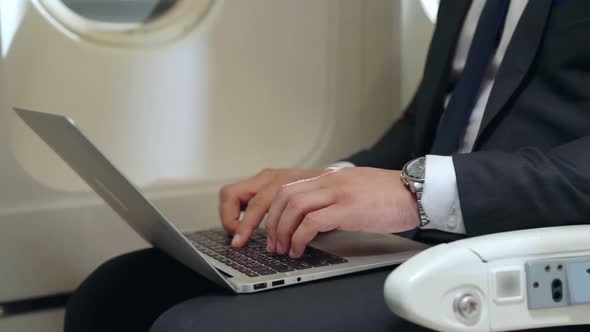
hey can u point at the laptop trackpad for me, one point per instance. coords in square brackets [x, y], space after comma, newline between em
[355, 244]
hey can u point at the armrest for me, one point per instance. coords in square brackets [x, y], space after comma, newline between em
[498, 282]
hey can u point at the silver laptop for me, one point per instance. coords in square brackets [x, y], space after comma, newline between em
[246, 270]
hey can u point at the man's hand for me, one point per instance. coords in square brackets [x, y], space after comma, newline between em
[257, 193]
[349, 199]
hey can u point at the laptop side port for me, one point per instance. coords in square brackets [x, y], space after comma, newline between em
[278, 283]
[261, 285]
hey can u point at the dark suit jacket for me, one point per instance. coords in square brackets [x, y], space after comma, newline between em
[531, 162]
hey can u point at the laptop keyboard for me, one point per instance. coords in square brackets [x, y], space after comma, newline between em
[253, 260]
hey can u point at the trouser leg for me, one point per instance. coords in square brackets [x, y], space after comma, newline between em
[348, 303]
[129, 292]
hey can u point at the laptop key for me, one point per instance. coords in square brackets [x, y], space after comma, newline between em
[251, 274]
[281, 267]
[264, 271]
[336, 260]
[251, 264]
[298, 265]
[317, 263]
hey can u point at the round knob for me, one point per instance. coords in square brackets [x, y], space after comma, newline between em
[467, 308]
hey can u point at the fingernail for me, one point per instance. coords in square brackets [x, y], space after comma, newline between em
[291, 253]
[268, 244]
[236, 240]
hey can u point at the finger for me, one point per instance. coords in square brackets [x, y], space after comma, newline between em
[323, 220]
[233, 197]
[229, 208]
[278, 205]
[257, 208]
[298, 206]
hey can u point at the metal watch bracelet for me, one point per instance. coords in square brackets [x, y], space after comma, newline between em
[423, 217]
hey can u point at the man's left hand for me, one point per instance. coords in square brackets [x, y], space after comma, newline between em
[349, 199]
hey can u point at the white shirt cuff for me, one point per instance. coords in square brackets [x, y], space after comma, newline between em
[341, 164]
[440, 197]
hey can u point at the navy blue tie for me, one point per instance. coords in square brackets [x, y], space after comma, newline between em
[453, 123]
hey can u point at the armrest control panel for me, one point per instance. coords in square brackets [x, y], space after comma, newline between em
[554, 283]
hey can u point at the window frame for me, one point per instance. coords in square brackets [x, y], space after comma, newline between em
[179, 21]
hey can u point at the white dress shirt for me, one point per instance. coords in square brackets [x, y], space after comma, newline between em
[440, 197]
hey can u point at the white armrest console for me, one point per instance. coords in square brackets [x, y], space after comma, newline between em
[501, 282]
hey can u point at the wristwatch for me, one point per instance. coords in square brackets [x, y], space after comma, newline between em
[413, 177]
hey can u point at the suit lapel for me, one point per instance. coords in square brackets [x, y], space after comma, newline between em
[519, 56]
[436, 70]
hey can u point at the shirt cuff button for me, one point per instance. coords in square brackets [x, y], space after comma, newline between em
[452, 222]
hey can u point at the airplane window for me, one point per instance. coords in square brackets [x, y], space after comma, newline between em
[128, 23]
[120, 11]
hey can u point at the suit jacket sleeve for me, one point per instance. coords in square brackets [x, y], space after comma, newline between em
[529, 188]
[395, 147]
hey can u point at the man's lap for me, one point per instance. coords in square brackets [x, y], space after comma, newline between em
[348, 303]
[129, 292]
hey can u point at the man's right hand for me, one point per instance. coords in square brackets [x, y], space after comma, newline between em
[256, 194]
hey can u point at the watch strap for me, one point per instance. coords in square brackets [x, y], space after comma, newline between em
[422, 214]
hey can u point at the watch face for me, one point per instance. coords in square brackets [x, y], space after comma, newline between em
[416, 168]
